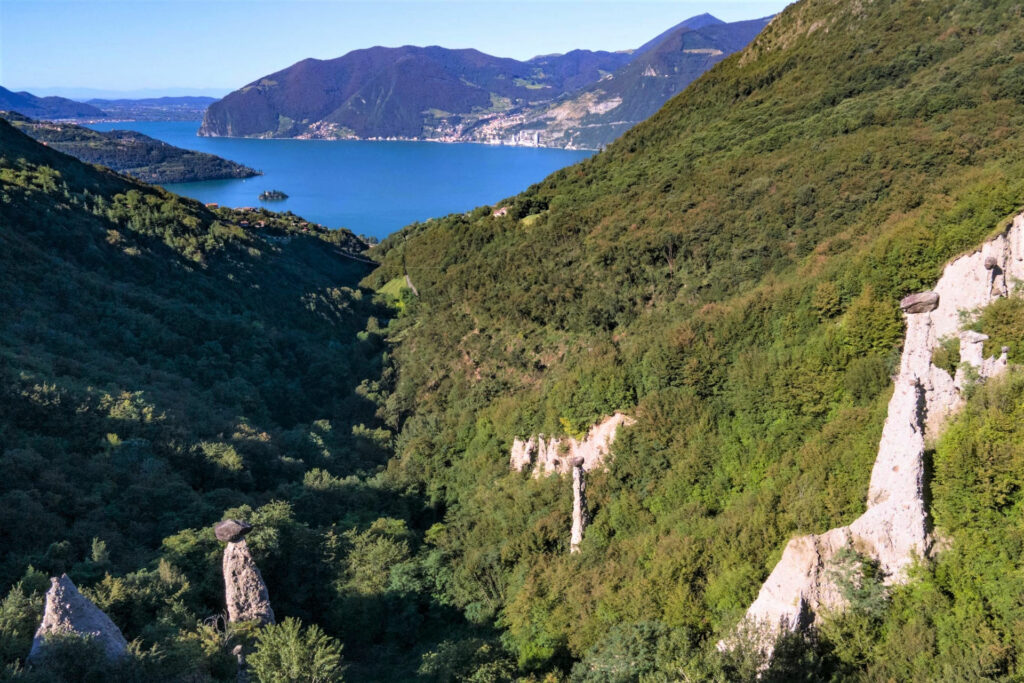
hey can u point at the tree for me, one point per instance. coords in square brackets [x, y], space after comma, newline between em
[285, 653]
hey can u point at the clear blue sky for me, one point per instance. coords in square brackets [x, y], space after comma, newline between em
[214, 46]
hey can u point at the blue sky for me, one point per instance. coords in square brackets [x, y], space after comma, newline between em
[214, 46]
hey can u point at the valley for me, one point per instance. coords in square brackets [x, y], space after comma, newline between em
[738, 397]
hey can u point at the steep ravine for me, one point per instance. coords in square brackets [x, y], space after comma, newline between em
[894, 530]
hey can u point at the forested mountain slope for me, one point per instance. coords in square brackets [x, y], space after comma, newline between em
[581, 99]
[598, 113]
[396, 92]
[162, 366]
[135, 154]
[729, 274]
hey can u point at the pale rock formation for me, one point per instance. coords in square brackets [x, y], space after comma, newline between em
[522, 454]
[244, 591]
[562, 456]
[579, 505]
[69, 612]
[894, 529]
[554, 455]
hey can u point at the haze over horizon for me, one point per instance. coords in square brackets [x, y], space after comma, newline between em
[181, 47]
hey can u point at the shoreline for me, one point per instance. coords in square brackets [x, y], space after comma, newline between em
[404, 139]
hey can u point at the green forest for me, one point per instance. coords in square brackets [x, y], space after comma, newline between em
[728, 273]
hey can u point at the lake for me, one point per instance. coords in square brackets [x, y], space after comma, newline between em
[370, 187]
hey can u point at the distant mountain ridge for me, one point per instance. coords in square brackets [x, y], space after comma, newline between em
[180, 108]
[408, 92]
[581, 99]
[600, 112]
[190, 100]
[46, 107]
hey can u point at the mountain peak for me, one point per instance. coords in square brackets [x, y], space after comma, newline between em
[700, 21]
[694, 23]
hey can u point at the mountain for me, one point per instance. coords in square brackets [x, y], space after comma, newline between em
[581, 99]
[728, 273]
[186, 108]
[600, 112]
[29, 105]
[395, 92]
[578, 68]
[693, 23]
[723, 283]
[135, 154]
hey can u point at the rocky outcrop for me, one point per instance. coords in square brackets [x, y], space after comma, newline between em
[565, 455]
[244, 590]
[68, 612]
[579, 505]
[555, 455]
[893, 531]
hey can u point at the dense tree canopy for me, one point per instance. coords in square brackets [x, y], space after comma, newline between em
[728, 273]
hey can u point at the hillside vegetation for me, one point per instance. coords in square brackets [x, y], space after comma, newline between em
[162, 366]
[135, 154]
[728, 273]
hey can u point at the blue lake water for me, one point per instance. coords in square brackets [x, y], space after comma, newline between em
[372, 188]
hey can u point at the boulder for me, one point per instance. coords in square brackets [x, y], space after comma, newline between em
[990, 262]
[231, 530]
[244, 591]
[922, 302]
[69, 612]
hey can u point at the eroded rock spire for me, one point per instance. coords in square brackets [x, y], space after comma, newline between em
[244, 590]
[893, 531]
[579, 505]
[68, 612]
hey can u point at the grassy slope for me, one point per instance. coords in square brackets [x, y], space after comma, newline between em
[728, 272]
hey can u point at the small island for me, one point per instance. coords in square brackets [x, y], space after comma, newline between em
[272, 196]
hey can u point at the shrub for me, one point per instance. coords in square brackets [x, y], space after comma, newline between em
[287, 653]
